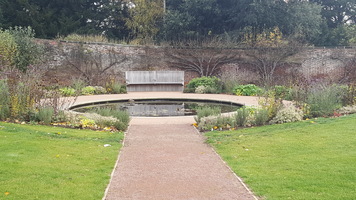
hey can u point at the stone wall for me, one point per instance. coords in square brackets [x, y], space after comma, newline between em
[312, 61]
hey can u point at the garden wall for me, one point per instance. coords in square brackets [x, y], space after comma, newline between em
[115, 59]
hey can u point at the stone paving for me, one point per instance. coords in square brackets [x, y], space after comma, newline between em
[166, 157]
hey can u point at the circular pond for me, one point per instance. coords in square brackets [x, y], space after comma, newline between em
[159, 107]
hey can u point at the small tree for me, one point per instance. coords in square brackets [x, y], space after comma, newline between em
[206, 60]
[92, 65]
[269, 50]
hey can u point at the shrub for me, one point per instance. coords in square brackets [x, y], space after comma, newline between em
[205, 112]
[99, 90]
[270, 103]
[208, 123]
[247, 90]
[208, 82]
[241, 117]
[282, 92]
[4, 100]
[347, 110]
[28, 52]
[287, 114]
[85, 38]
[67, 91]
[324, 100]
[8, 48]
[200, 89]
[45, 115]
[78, 84]
[113, 87]
[261, 117]
[88, 90]
[122, 116]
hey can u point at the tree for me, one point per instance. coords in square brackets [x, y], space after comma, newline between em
[92, 65]
[62, 17]
[338, 12]
[206, 61]
[145, 18]
[191, 20]
[268, 52]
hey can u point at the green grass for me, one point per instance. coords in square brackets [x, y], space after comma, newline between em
[313, 159]
[42, 162]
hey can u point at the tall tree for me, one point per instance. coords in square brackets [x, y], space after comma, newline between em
[62, 17]
[192, 19]
[338, 12]
[145, 18]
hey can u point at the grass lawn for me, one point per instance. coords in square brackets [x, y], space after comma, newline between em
[41, 162]
[314, 159]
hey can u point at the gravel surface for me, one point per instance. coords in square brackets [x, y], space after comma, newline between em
[166, 158]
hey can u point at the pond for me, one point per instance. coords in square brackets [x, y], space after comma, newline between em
[160, 107]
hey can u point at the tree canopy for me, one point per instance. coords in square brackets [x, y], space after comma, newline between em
[318, 22]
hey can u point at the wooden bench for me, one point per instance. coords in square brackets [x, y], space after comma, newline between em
[152, 81]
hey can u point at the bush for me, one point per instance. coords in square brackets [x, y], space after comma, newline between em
[213, 83]
[45, 115]
[241, 117]
[99, 90]
[247, 90]
[324, 100]
[261, 117]
[67, 91]
[28, 52]
[113, 87]
[205, 112]
[287, 114]
[88, 90]
[122, 116]
[200, 89]
[8, 48]
[4, 100]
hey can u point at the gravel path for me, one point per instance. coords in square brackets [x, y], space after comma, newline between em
[166, 158]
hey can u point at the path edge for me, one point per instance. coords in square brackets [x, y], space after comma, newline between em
[115, 166]
[227, 166]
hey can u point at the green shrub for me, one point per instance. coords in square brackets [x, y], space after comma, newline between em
[205, 112]
[261, 117]
[4, 100]
[67, 91]
[45, 114]
[28, 52]
[113, 87]
[247, 90]
[88, 90]
[241, 117]
[282, 92]
[99, 90]
[8, 48]
[200, 89]
[287, 114]
[213, 83]
[324, 100]
[122, 116]
[78, 84]
[85, 38]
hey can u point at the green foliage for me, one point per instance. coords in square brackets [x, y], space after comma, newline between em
[205, 112]
[122, 116]
[67, 91]
[88, 90]
[45, 115]
[241, 117]
[210, 84]
[287, 114]
[4, 100]
[28, 52]
[270, 103]
[261, 117]
[323, 100]
[85, 38]
[8, 48]
[247, 90]
[113, 87]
